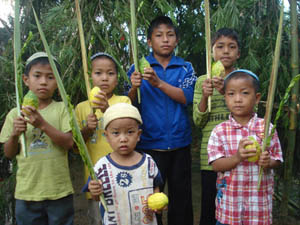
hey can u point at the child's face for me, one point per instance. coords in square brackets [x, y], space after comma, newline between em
[163, 40]
[104, 75]
[41, 81]
[122, 135]
[241, 98]
[226, 50]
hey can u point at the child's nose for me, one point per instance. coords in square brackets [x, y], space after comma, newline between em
[123, 138]
[43, 80]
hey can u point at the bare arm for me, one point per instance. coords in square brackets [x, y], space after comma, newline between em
[11, 147]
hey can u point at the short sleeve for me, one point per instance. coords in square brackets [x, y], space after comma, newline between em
[7, 128]
[215, 147]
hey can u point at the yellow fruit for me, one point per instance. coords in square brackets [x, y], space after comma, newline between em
[30, 99]
[92, 96]
[217, 69]
[158, 201]
[252, 146]
[143, 63]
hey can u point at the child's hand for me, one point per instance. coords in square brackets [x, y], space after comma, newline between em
[92, 121]
[207, 88]
[244, 153]
[136, 79]
[151, 76]
[19, 125]
[34, 117]
[264, 159]
[95, 187]
[218, 84]
[102, 103]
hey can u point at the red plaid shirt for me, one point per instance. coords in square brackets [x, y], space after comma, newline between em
[238, 200]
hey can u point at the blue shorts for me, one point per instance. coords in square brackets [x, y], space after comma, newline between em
[47, 212]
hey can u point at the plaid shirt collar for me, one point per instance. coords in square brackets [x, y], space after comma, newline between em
[252, 125]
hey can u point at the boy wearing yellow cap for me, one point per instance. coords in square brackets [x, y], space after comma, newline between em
[126, 177]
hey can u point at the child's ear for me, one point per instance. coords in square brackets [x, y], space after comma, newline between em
[25, 79]
[149, 43]
[139, 134]
[258, 96]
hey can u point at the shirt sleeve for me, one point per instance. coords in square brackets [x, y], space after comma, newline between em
[7, 128]
[215, 147]
[275, 148]
[200, 118]
[189, 83]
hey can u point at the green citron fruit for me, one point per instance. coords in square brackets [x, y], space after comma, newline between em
[92, 97]
[157, 201]
[217, 69]
[30, 99]
[252, 146]
[143, 63]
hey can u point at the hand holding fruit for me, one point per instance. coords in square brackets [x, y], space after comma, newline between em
[31, 100]
[158, 202]
[151, 76]
[244, 153]
[98, 99]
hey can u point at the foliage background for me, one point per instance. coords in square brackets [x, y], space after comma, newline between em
[106, 29]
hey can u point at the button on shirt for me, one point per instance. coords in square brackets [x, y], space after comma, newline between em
[238, 200]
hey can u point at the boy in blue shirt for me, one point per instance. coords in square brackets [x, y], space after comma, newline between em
[167, 88]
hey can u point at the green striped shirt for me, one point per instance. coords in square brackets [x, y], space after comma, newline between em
[207, 121]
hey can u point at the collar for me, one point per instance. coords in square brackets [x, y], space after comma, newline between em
[175, 60]
[251, 125]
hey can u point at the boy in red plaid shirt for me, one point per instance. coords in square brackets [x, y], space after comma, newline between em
[238, 200]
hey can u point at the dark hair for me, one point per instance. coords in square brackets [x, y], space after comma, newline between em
[41, 60]
[158, 21]
[243, 75]
[226, 32]
[101, 55]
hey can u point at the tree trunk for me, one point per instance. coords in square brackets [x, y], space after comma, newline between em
[289, 156]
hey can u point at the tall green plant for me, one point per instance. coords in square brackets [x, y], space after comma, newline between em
[289, 154]
[73, 121]
[133, 38]
[18, 71]
[271, 93]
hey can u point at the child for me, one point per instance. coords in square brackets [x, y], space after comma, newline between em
[126, 177]
[167, 89]
[43, 189]
[226, 48]
[104, 76]
[238, 199]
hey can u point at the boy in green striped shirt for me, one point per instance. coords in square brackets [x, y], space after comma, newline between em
[225, 48]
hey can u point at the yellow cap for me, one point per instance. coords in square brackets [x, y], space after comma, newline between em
[121, 110]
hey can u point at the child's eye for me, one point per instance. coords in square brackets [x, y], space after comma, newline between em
[51, 77]
[245, 92]
[36, 75]
[111, 73]
[115, 133]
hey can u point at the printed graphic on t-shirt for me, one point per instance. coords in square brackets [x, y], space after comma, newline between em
[38, 144]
